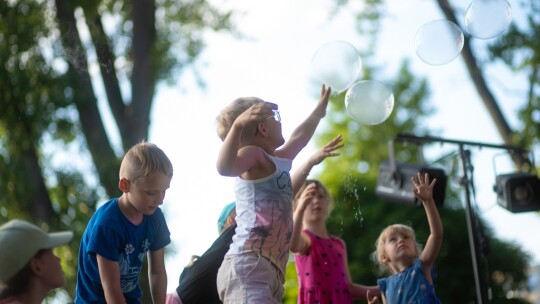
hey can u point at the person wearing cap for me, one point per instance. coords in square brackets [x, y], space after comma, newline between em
[28, 267]
[197, 283]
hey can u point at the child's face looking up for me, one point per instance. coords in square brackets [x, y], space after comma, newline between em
[399, 247]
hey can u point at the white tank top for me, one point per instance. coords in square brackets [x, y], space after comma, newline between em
[264, 214]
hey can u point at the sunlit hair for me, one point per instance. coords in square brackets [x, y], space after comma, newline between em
[228, 115]
[143, 160]
[402, 230]
[320, 188]
[20, 282]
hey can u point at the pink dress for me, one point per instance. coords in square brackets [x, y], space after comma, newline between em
[321, 272]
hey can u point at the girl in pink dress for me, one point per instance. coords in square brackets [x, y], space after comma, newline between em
[321, 258]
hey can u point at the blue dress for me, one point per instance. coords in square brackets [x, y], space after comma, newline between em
[409, 287]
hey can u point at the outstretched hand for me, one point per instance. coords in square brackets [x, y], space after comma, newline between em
[327, 150]
[323, 101]
[423, 189]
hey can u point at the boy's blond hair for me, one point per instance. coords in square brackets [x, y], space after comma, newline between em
[144, 159]
[401, 229]
[228, 115]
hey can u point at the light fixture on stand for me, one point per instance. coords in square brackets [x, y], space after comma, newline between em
[394, 181]
[519, 191]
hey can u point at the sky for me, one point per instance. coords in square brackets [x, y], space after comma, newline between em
[275, 64]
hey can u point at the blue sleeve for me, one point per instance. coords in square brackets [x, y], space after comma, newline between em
[382, 285]
[105, 241]
[162, 235]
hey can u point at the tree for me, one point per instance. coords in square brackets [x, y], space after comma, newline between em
[50, 107]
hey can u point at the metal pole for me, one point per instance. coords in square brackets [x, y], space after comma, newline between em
[481, 291]
[427, 139]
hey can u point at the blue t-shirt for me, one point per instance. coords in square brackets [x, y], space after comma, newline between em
[110, 234]
[409, 287]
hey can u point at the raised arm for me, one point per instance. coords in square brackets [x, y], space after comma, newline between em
[424, 192]
[300, 242]
[303, 133]
[230, 161]
[299, 176]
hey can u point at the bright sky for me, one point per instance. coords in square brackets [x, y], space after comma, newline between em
[274, 64]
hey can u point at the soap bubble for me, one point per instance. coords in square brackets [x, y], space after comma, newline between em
[487, 19]
[438, 42]
[337, 64]
[369, 102]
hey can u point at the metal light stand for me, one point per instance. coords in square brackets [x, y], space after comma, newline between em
[472, 228]
[472, 220]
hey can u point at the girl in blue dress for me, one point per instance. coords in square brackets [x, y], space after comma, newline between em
[398, 253]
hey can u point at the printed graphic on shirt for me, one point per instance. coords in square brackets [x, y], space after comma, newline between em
[129, 268]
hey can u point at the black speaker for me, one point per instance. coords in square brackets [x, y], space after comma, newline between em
[396, 185]
[518, 192]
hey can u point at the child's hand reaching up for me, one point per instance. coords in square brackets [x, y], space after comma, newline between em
[323, 101]
[423, 191]
[327, 150]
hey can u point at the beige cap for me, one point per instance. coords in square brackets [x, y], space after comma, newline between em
[20, 241]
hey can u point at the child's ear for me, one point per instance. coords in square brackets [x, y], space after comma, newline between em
[262, 129]
[123, 185]
[35, 266]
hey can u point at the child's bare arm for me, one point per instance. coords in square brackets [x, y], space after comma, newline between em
[424, 192]
[303, 133]
[300, 243]
[109, 273]
[299, 176]
[230, 162]
[359, 291]
[157, 276]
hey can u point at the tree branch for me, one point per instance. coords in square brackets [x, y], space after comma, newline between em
[143, 77]
[106, 59]
[478, 79]
[85, 100]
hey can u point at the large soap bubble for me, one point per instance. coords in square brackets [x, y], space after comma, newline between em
[487, 19]
[337, 64]
[369, 102]
[438, 42]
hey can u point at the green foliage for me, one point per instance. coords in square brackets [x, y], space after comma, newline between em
[56, 164]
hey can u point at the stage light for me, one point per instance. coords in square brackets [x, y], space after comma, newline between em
[394, 184]
[518, 192]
